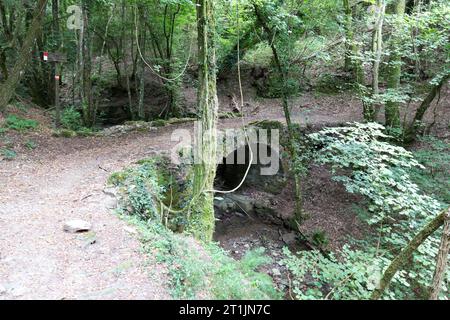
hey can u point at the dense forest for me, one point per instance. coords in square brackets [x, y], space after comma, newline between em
[225, 149]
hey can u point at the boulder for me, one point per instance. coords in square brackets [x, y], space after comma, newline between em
[76, 225]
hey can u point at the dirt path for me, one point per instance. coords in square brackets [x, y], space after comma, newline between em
[64, 179]
[40, 261]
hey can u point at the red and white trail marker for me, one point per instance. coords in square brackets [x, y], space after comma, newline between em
[45, 56]
[56, 77]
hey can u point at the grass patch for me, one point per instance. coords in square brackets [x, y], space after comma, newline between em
[205, 271]
[30, 145]
[19, 124]
[196, 270]
[8, 154]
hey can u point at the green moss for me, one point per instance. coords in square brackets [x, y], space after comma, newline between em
[199, 270]
[180, 120]
[268, 124]
[159, 123]
[202, 222]
[135, 123]
[230, 115]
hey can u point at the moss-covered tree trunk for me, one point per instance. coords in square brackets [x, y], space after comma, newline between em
[348, 28]
[392, 110]
[371, 110]
[8, 88]
[442, 260]
[403, 257]
[202, 220]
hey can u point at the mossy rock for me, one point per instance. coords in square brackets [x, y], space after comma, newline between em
[230, 115]
[268, 124]
[159, 123]
[180, 120]
[135, 123]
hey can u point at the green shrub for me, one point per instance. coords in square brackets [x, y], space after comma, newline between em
[30, 145]
[199, 271]
[320, 239]
[194, 269]
[435, 157]
[352, 275]
[19, 124]
[8, 154]
[366, 164]
[71, 119]
[159, 123]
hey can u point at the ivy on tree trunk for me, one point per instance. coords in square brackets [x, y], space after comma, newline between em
[202, 220]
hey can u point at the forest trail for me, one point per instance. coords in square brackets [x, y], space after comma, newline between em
[63, 180]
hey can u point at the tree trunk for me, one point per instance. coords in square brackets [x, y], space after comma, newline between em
[87, 99]
[370, 114]
[392, 111]
[410, 131]
[402, 258]
[55, 68]
[7, 89]
[125, 63]
[285, 101]
[348, 28]
[202, 221]
[141, 111]
[442, 260]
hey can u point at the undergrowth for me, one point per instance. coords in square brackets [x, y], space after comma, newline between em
[19, 124]
[196, 270]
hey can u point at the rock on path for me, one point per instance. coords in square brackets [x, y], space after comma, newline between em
[38, 260]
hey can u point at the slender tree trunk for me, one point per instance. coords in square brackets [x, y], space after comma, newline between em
[410, 131]
[442, 260]
[349, 36]
[377, 49]
[141, 111]
[125, 62]
[7, 89]
[287, 114]
[402, 258]
[87, 99]
[55, 68]
[392, 110]
[202, 220]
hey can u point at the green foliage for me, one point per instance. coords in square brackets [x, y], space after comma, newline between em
[19, 124]
[159, 123]
[435, 157]
[397, 208]
[141, 188]
[379, 170]
[30, 145]
[8, 154]
[205, 271]
[320, 239]
[352, 275]
[71, 119]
